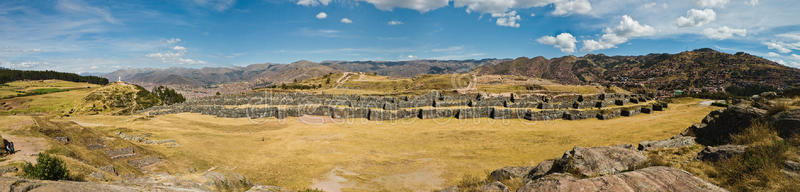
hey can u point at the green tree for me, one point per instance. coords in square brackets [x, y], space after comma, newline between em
[47, 168]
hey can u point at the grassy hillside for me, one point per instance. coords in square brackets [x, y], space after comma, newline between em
[116, 99]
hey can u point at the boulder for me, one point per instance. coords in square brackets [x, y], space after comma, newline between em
[595, 161]
[509, 172]
[712, 153]
[720, 124]
[540, 170]
[674, 142]
[787, 123]
[647, 179]
[494, 187]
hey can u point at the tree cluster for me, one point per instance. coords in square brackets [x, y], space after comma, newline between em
[9, 75]
[169, 96]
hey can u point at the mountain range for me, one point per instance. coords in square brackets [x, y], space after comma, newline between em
[701, 69]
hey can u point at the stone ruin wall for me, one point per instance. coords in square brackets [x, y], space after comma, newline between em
[427, 106]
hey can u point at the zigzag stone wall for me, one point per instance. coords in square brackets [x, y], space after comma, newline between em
[427, 106]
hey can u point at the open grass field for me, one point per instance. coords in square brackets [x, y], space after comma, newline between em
[51, 96]
[405, 155]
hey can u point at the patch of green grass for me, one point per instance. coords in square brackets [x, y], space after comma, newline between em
[47, 90]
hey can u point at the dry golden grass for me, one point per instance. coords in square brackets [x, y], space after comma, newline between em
[361, 155]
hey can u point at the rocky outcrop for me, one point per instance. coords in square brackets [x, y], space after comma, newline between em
[15, 184]
[494, 187]
[674, 142]
[509, 172]
[540, 170]
[597, 161]
[647, 179]
[787, 123]
[718, 125]
[712, 153]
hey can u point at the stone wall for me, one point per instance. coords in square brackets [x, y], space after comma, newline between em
[426, 106]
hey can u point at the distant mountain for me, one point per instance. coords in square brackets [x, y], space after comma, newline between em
[282, 73]
[702, 69]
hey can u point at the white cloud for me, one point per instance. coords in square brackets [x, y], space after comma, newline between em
[561, 7]
[322, 15]
[173, 41]
[219, 5]
[411, 57]
[346, 20]
[26, 65]
[778, 46]
[448, 49]
[313, 2]
[724, 32]
[419, 5]
[753, 2]
[395, 23]
[713, 3]
[572, 6]
[564, 41]
[796, 57]
[507, 19]
[78, 7]
[174, 55]
[697, 18]
[627, 28]
[773, 54]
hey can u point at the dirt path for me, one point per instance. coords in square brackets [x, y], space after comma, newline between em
[27, 148]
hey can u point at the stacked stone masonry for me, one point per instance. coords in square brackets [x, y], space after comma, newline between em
[427, 106]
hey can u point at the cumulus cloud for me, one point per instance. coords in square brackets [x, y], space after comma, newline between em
[322, 15]
[724, 32]
[713, 3]
[697, 18]
[572, 6]
[173, 41]
[564, 41]
[313, 2]
[346, 20]
[395, 23]
[626, 29]
[507, 19]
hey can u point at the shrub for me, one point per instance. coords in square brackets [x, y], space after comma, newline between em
[47, 168]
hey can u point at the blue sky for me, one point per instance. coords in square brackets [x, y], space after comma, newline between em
[102, 36]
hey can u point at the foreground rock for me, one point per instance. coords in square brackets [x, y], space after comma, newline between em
[674, 142]
[718, 125]
[647, 179]
[597, 161]
[509, 172]
[711, 153]
[787, 123]
[18, 184]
